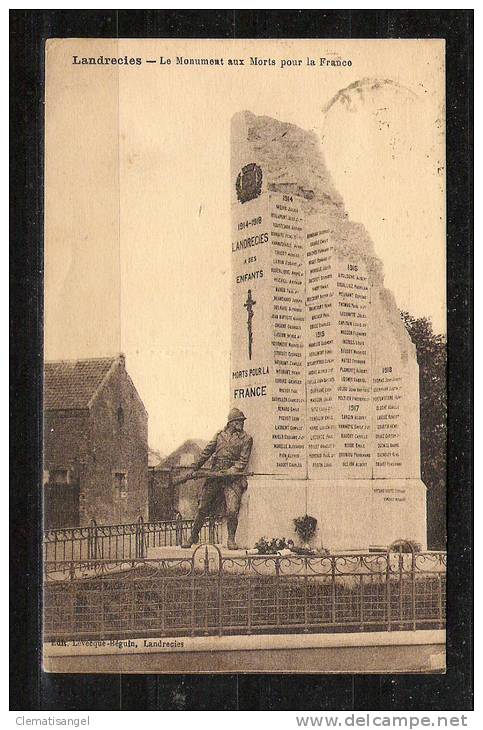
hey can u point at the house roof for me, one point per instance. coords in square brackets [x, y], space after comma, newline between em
[71, 384]
[154, 457]
[194, 446]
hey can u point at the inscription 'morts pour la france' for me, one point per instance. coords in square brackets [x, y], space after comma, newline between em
[249, 182]
[249, 304]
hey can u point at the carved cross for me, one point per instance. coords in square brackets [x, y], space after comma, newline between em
[249, 304]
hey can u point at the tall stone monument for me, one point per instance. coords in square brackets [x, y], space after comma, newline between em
[322, 364]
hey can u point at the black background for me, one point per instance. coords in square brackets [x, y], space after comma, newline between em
[30, 688]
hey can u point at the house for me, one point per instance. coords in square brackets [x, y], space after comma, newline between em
[166, 500]
[95, 444]
[184, 455]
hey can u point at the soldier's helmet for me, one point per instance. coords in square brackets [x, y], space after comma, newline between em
[236, 415]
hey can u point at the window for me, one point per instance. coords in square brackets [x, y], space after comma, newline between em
[120, 416]
[120, 482]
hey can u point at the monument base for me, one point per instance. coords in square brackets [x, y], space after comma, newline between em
[352, 515]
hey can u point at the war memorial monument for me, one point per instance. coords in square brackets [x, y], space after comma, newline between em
[323, 424]
[321, 362]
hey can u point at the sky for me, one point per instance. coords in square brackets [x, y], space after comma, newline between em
[137, 238]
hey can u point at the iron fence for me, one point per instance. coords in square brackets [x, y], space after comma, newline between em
[207, 593]
[120, 542]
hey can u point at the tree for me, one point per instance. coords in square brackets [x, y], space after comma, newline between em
[431, 354]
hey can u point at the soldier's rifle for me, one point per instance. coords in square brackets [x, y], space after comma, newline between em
[205, 473]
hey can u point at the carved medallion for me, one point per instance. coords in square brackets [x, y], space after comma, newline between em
[249, 182]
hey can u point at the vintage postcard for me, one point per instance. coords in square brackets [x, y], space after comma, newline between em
[245, 356]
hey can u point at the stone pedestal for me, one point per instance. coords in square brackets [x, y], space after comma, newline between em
[352, 515]
[322, 364]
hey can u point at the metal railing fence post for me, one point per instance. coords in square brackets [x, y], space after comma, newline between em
[92, 540]
[388, 590]
[179, 529]
[440, 601]
[249, 605]
[140, 552]
[211, 530]
[333, 590]
[277, 595]
[413, 590]
[306, 595]
[400, 568]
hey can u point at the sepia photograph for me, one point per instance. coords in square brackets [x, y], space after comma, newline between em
[244, 394]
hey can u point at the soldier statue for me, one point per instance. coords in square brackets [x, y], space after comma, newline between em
[230, 451]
